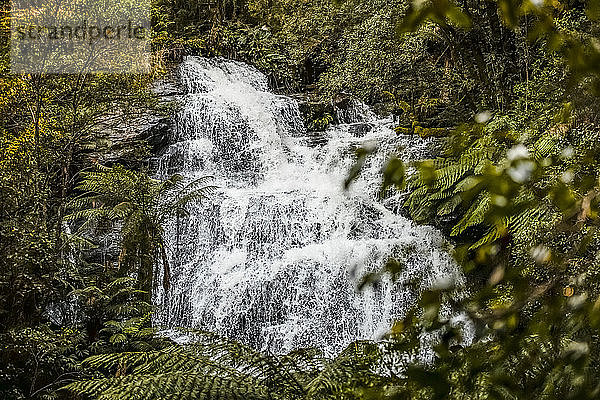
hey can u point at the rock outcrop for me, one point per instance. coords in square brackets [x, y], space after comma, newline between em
[129, 139]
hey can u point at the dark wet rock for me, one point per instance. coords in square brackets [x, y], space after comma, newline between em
[312, 109]
[360, 129]
[129, 139]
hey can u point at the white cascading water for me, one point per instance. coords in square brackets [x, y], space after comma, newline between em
[273, 259]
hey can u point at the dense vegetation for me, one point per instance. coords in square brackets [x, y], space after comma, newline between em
[509, 88]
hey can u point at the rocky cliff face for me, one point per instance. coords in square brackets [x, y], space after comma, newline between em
[130, 139]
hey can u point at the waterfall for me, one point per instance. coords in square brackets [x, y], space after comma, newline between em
[274, 258]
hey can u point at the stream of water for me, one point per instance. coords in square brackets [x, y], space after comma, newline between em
[273, 259]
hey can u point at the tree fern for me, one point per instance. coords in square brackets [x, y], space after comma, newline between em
[173, 385]
[497, 230]
[449, 186]
[449, 205]
[212, 367]
[353, 369]
[139, 205]
[474, 215]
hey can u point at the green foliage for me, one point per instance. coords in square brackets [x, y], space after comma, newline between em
[214, 367]
[47, 122]
[320, 124]
[518, 190]
[48, 126]
[35, 362]
[521, 195]
[141, 205]
[114, 312]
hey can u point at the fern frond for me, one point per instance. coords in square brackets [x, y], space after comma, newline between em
[474, 215]
[495, 232]
[449, 205]
[173, 385]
